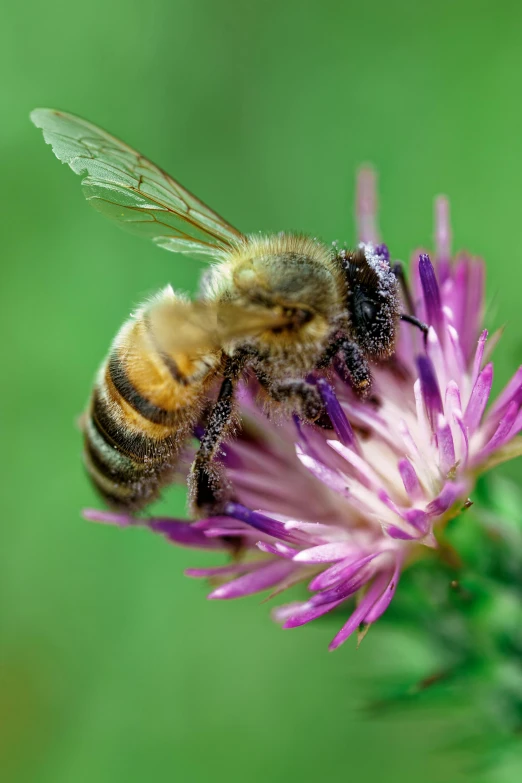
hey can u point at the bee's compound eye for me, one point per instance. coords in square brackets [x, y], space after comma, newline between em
[373, 323]
[365, 309]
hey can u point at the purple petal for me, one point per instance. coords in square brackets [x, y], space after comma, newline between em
[479, 356]
[452, 401]
[304, 613]
[357, 617]
[177, 531]
[474, 304]
[503, 431]
[382, 251]
[384, 601]
[399, 534]
[279, 549]
[365, 473]
[446, 446]
[341, 424]
[388, 502]
[233, 568]
[110, 518]
[414, 516]
[431, 293]
[442, 237]
[479, 398]
[464, 438]
[454, 356]
[366, 206]
[510, 392]
[230, 532]
[417, 518]
[445, 499]
[517, 425]
[456, 296]
[417, 292]
[429, 388]
[255, 582]
[325, 553]
[184, 534]
[467, 302]
[342, 571]
[343, 590]
[410, 479]
[266, 525]
[331, 478]
[211, 523]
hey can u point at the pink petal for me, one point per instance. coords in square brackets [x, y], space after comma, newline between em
[479, 356]
[366, 206]
[326, 553]
[384, 601]
[279, 549]
[503, 431]
[510, 391]
[306, 612]
[255, 582]
[410, 479]
[479, 398]
[343, 570]
[442, 237]
[233, 568]
[446, 446]
[445, 499]
[357, 617]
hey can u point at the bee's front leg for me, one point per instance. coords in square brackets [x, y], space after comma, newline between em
[353, 367]
[350, 363]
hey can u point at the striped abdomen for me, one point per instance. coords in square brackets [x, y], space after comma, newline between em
[143, 408]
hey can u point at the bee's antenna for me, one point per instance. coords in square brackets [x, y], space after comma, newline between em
[398, 270]
[410, 319]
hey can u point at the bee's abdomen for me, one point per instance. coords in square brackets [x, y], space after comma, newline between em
[141, 413]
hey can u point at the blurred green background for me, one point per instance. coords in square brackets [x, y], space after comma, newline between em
[113, 666]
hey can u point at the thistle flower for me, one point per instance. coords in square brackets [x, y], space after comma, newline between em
[345, 510]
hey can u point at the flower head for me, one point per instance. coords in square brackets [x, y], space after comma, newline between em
[346, 509]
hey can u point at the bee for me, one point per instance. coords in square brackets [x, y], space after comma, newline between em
[277, 307]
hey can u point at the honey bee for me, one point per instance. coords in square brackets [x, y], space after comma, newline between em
[278, 307]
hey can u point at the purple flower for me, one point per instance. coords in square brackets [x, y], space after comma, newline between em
[346, 510]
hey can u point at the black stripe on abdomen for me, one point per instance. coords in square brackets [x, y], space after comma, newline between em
[168, 361]
[109, 461]
[117, 490]
[126, 467]
[136, 445]
[130, 394]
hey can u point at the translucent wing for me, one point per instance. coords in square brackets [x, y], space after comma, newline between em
[128, 188]
[185, 327]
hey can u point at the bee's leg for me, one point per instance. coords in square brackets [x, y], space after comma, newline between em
[350, 363]
[352, 366]
[209, 490]
[297, 394]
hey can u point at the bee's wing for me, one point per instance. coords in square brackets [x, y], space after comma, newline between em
[128, 188]
[186, 327]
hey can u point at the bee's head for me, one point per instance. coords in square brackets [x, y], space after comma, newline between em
[372, 299]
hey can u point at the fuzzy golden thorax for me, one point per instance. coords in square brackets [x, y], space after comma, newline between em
[290, 273]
